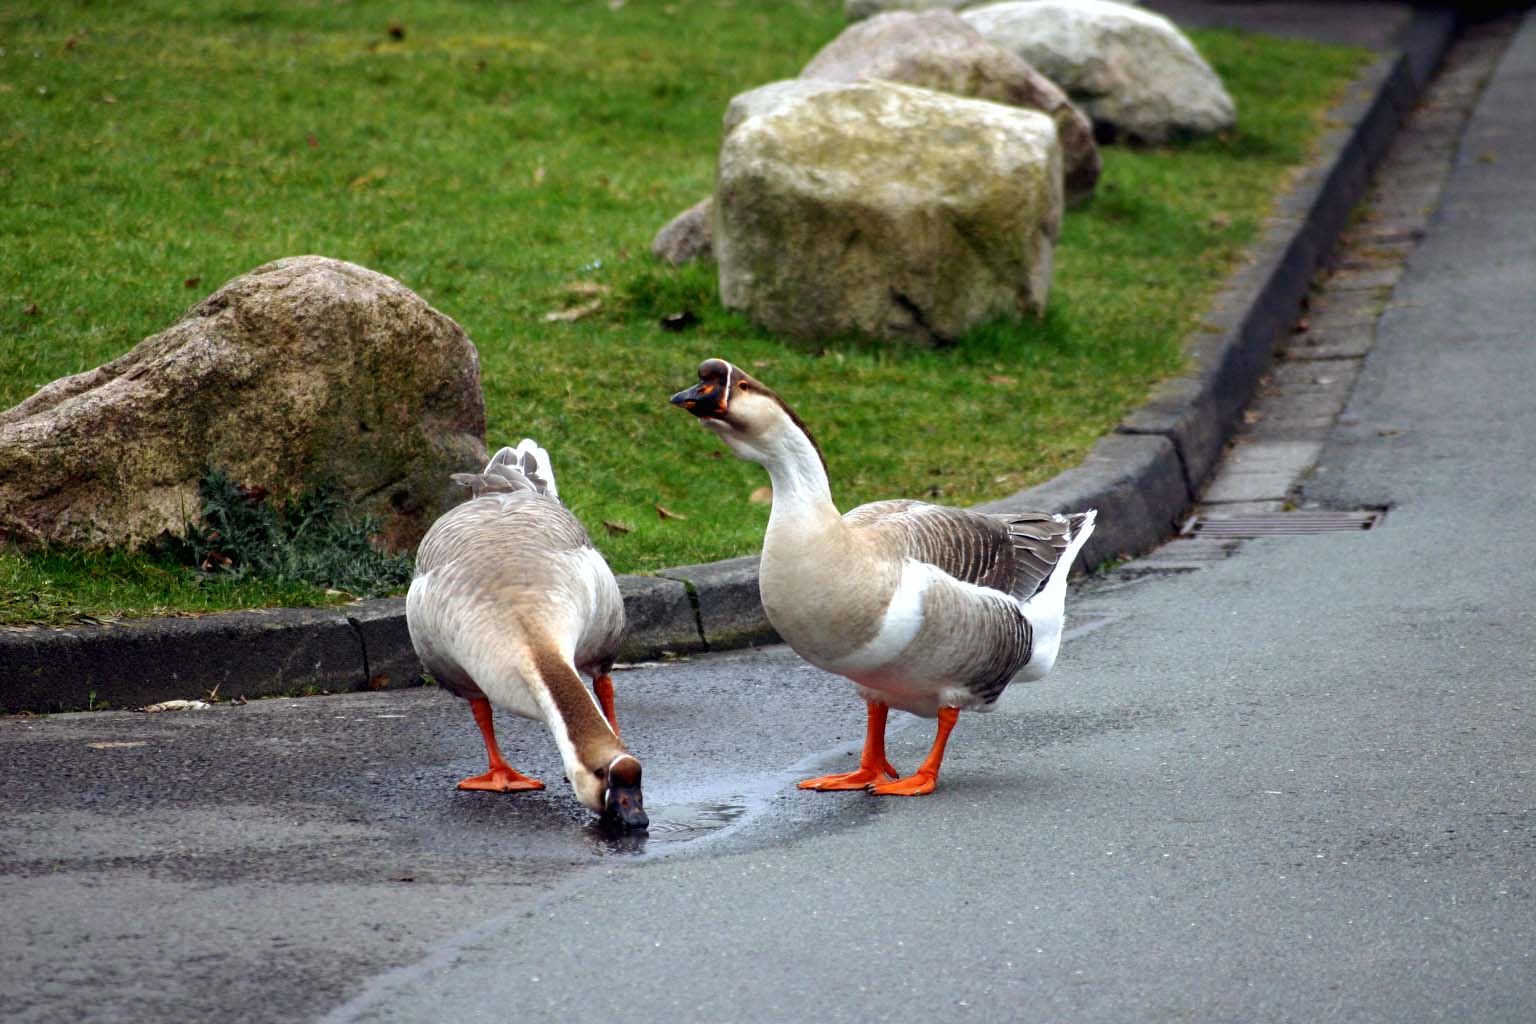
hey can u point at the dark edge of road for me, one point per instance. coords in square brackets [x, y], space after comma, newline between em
[1142, 477]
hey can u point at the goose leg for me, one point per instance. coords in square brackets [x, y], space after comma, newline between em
[501, 778]
[927, 775]
[873, 767]
[602, 686]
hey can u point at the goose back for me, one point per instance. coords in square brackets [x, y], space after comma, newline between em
[496, 564]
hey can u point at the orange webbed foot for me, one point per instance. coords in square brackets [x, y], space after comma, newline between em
[913, 785]
[501, 780]
[926, 778]
[860, 778]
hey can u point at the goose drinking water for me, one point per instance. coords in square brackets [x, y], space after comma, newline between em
[509, 602]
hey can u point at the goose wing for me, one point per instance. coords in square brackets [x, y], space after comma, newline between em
[967, 545]
[1013, 552]
[1039, 540]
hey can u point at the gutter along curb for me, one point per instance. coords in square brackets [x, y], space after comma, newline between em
[1142, 477]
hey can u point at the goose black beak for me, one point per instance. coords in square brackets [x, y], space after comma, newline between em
[706, 399]
[623, 805]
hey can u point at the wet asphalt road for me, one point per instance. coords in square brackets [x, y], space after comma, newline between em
[256, 862]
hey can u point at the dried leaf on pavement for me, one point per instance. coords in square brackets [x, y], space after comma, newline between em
[176, 705]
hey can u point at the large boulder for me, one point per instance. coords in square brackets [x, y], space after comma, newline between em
[690, 235]
[856, 9]
[1133, 72]
[888, 211]
[304, 371]
[767, 98]
[938, 50]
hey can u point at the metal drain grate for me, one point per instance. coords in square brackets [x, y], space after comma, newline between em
[1278, 524]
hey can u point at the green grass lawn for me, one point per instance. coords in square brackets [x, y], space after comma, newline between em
[498, 158]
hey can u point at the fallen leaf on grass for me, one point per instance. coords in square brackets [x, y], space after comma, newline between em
[32, 310]
[191, 282]
[761, 496]
[998, 378]
[666, 513]
[368, 177]
[616, 529]
[587, 289]
[574, 313]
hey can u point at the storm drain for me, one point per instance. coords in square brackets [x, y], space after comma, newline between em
[1246, 525]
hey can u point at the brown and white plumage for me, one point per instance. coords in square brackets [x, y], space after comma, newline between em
[509, 601]
[925, 608]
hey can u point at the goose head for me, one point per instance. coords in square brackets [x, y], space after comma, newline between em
[612, 789]
[750, 418]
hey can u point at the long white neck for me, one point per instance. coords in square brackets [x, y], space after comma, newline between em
[801, 491]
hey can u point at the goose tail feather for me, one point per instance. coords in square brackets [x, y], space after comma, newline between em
[1046, 609]
[524, 468]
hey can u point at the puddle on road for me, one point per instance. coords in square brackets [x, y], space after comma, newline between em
[681, 822]
[670, 824]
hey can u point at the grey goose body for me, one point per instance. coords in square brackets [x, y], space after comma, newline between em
[509, 602]
[925, 608]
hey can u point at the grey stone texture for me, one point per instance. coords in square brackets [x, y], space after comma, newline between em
[1129, 69]
[836, 214]
[937, 50]
[305, 371]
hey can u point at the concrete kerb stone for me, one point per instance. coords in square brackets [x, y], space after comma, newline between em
[133, 663]
[1142, 478]
[660, 617]
[726, 597]
[384, 643]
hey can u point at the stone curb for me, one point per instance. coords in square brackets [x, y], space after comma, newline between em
[1142, 478]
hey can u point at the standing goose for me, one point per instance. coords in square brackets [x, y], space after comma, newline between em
[510, 599]
[926, 608]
